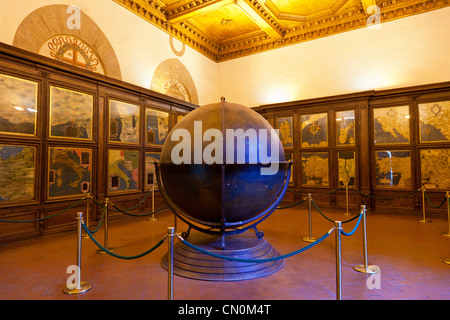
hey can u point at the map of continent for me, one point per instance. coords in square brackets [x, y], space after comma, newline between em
[393, 169]
[391, 125]
[69, 171]
[315, 169]
[17, 172]
[345, 127]
[123, 170]
[435, 168]
[314, 130]
[433, 121]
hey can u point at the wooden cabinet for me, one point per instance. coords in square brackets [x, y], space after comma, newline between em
[66, 132]
[384, 144]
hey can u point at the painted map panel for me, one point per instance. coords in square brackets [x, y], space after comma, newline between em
[70, 171]
[315, 169]
[18, 105]
[393, 169]
[157, 127]
[345, 127]
[17, 172]
[314, 130]
[150, 159]
[435, 168]
[391, 125]
[286, 131]
[123, 122]
[434, 121]
[70, 114]
[347, 168]
[123, 170]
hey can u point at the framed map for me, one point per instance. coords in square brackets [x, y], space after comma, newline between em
[315, 169]
[69, 171]
[123, 170]
[314, 131]
[71, 114]
[391, 125]
[17, 172]
[290, 157]
[286, 132]
[345, 128]
[393, 169]
[433, 121]
[347, 168]
[150, 178]
[123, 122]
[18, 105]
[435, 168]
[157, 127]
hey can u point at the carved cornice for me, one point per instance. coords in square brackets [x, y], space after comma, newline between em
[277, 29]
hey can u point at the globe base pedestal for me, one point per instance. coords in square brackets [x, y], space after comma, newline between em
[190, 263]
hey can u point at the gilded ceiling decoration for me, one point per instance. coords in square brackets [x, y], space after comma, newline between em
[228, 29]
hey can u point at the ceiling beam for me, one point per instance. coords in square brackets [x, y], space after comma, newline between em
[265, 21]
[190, 10]
[366, 4]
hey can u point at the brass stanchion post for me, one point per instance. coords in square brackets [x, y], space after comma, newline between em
[153, 205]
[310, 238]
[170, 236]
[346, 199]
[80, 286]
[365, 268]
[88, 197]
[337, 229]
[423, 205]
[448, 214]
[105, 244]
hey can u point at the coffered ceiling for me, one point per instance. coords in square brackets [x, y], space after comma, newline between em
[228, 29]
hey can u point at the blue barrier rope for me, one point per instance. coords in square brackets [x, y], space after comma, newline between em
[354, 229]
[215, 255]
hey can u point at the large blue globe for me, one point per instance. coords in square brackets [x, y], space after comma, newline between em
[221, 195]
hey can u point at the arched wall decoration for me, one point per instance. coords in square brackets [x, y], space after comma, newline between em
[173, 79]
[178, 53]
[74, 51]
[48, 22]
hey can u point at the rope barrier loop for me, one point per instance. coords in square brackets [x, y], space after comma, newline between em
[88, 232]
[429, 201]
[282, 257]
[355, 228]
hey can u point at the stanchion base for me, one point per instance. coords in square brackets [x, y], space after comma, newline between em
[446, 234]
[84, 286]
[447, 261]
[369, 269]
[425, 221]
[100, 251]
[152, 219]
[309, 239]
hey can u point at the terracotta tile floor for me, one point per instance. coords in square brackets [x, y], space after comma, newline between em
[409, 254]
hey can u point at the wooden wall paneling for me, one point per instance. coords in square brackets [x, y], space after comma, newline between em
[364, 103]
[20, 63]
[365, 163]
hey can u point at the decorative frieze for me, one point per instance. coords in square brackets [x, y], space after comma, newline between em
[278, 29]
